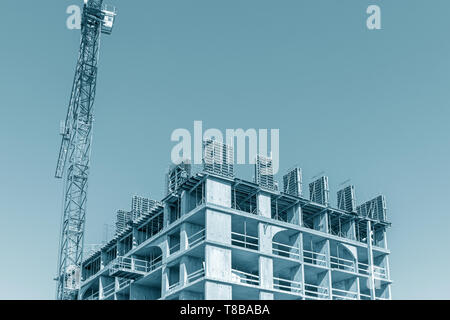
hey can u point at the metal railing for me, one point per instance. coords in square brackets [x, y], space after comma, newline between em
[174, 248]
[339, 294]
[244, 241]
[287, 285]
[196, 238]
[196, 275]
[316, 258]
[123, 283]
[312, 291]
[379, 272]
[363, 268]
[364, 296]
[252, 210]
[94, 296]
[285, 250]
[342, 264]
[154, 263]
[174, 285]
[109, 289]
[244, 277]
[135, 265]
[281, 217]
[129, 264]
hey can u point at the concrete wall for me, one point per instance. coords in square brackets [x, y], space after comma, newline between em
[218, 192]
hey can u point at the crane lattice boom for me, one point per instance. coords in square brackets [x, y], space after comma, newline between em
[74, 155]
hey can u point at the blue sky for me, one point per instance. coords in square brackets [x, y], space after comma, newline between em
[372, 106]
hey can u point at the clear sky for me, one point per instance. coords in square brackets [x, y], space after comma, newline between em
[372, 106]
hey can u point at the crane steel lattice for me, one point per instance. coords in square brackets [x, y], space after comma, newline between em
[74, 155]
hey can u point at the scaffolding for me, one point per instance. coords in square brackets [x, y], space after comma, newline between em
[177, 175]
[264, 173]
[346, 199]
[292, 182]
[319, 191]
[373, 209]
[218, 158]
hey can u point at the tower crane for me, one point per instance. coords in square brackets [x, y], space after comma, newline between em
[74, 154]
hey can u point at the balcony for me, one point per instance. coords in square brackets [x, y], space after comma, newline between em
[123, 283]
[196, 238]
[242, 277]
[93, 296]
[363, 268]
[173, 286]
[284, 250]
[244, 241]
[175, 248]
[315, 258]
[287, 285]
[109, 290]
[364, 296]
[196, 275]
[379, 272]
[132, 268]
[316, 292]
[339, 294]
[342, 264]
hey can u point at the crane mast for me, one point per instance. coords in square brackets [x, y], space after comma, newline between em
[74, 154]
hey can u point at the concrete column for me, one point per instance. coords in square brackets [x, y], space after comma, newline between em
[324, 280]
[164, 280]
[183, 236]
[183, 270]
[349, 229]
[184, 203]
[266, 272]
[218, 192]
[297, 275]
[102, 259]
[218, 227]
[166, 216]
[266, 233]
[217, 291]
[320, 222]
[189, 295]
[328, 254]
[264, 295]
[263, 202]
[101, 285]
[218, 263]
[297, 243]
[370, 260]
[389, 292]
[297, 216]
[217, 259]
[135, 237]
[354, 285]
[164, 245]
[358, 288]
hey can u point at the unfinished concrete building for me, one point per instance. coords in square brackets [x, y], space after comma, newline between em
[215, 236]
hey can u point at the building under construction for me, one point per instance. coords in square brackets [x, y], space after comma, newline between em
[215, 236]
